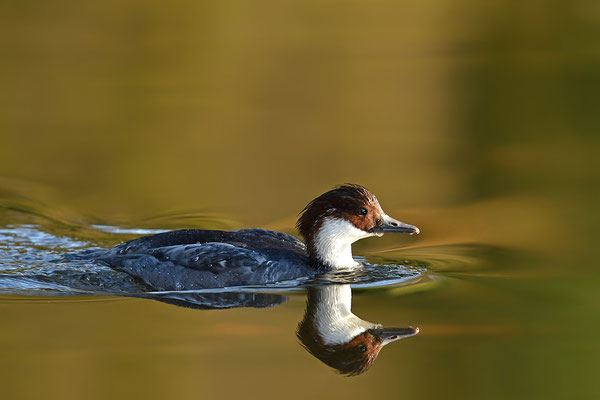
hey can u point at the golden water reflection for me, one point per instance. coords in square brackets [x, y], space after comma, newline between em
[476, 121]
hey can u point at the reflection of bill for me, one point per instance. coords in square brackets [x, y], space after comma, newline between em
[331, 333]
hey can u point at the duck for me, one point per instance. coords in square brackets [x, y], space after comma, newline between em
[193, 259]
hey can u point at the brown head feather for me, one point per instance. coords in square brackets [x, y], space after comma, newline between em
[344, 202]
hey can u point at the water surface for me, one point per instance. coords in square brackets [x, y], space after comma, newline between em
[476, 122]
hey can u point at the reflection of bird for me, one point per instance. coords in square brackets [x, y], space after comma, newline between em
[216, 301]
[196, 258]
[331, 333]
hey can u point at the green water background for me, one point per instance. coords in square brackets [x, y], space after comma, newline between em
[477, 122]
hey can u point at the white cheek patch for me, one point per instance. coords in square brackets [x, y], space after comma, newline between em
[333, 242]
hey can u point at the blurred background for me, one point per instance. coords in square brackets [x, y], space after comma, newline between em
[478, 122]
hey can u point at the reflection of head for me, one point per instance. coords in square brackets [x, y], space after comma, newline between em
[352, 358]
[331, 333]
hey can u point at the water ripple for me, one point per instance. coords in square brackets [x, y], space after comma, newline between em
[31, 264]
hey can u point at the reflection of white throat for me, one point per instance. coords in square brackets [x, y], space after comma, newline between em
[333, 318]
[333, 242]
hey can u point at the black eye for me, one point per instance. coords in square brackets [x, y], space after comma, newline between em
[362, 348]
[361, 211]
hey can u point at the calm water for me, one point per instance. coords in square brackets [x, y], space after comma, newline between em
[476, 122]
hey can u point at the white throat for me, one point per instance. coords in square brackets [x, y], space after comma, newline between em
[333, 242]
[333, 318]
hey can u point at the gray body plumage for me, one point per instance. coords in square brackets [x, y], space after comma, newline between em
[200, 259]
[192, 259]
